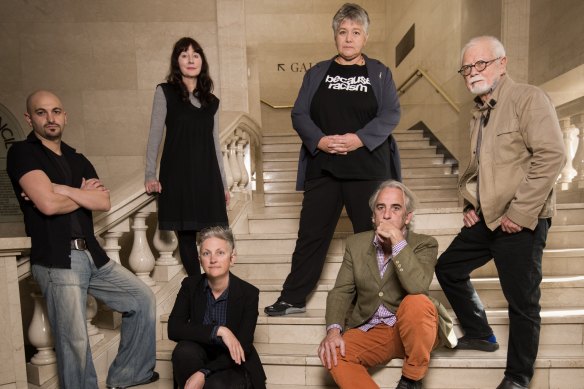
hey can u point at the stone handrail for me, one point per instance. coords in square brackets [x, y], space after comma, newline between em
[241, 148]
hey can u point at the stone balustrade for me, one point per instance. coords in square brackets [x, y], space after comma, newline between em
[570, 183]
[129, 215]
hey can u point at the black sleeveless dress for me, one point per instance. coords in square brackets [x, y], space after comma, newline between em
[192, 195]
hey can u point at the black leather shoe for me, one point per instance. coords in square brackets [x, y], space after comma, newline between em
[508, 384]
[465, 343]
[281, 308]
[405, 384]
[154, 378]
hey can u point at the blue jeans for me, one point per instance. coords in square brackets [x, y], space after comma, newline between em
[518, 260]
[65, 291]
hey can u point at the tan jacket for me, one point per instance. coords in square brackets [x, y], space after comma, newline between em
[410, 272]
[521, 156]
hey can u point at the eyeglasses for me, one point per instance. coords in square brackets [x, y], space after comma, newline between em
[478, 65]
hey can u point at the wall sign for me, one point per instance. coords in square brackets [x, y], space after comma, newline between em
[10, 132]
[294, 67]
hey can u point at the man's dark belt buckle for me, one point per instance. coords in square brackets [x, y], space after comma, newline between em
[78, 244]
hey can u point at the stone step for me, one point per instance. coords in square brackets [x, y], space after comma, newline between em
[565, 237]
[450, 192]
[285, 175]
[278, 148]
[436, 181]
[276, 166]
[412, 171]
[280, 155]
[416, 161]
[569, 214]
[410, 135]
[410, 150]
[281, 139]
[559, 237]
[287, 221]
[413, 182]
[275, 243]
[559, 327]
[421, 142]
[277, 266]
[289, 198]
[557, 292]
[293, 138]
[418, 151]
[296, 365]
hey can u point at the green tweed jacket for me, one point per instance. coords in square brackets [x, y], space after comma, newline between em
[410, 272]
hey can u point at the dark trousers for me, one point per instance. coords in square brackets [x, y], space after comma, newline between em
[323, 202]
[189, 357]
[518, 260]
[187, 247]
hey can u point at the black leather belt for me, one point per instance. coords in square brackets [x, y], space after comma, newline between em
[78, 244]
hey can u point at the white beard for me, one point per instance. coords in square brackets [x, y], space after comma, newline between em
[482, 89]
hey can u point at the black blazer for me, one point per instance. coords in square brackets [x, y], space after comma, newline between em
[186, 322]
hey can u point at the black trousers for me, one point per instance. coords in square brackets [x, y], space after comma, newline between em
[323, 202]
[518, 260]
[189, 357]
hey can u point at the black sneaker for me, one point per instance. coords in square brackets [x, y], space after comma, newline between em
[281, 308]
[465, 343]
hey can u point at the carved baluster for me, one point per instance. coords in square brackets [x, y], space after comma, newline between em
[112, 236]
[241, 160]
[568, 172]
[165, 242]
[43, 365]
[233, 164]
[578, 163]
[39, 333]
[167, 266]
[141, 260]
[227, 166]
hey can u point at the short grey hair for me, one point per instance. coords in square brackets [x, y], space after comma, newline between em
[353, 12]
[223, 233]
[497, 48]
[410, 198]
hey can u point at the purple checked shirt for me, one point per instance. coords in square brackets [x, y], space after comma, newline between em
[382, 315]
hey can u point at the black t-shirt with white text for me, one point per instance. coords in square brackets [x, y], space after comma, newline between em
[345, 103]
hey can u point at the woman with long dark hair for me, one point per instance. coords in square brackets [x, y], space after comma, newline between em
[192, 187]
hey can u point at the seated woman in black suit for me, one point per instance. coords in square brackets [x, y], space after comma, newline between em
[213, 322]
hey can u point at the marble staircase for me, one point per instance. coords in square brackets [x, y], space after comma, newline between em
[287, 345]
[429, 174]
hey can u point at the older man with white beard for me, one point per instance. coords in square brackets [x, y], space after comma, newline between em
[516, 155]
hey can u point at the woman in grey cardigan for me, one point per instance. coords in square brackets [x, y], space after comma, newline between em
[345, 112]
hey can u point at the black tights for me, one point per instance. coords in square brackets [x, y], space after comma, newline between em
[187, 247]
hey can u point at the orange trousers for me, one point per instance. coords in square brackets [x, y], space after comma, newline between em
[412, 338]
